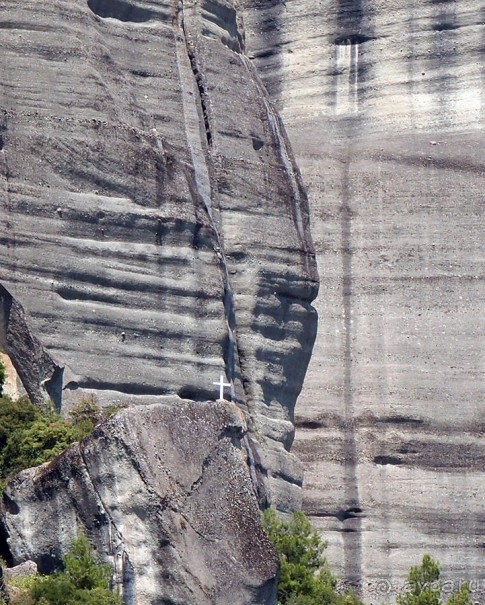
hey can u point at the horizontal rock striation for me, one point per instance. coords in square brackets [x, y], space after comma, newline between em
[173, 510]
[154, 225]
[384, 107]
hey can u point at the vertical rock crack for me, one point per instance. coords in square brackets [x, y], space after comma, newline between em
[202, 172]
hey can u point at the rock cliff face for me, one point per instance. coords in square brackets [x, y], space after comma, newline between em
[154, 225]
[155, 232]
[384, 103]
[164, 493]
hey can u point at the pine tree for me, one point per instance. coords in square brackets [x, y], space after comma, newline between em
[424, 586]
[305, 576]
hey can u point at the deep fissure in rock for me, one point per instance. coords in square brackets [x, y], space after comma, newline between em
[202, 94]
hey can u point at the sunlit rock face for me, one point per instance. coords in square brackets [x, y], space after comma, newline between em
[173, 511]
[154, 225]
[384, 103]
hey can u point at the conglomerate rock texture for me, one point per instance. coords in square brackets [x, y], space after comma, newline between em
[165, 494]
[384, 104]
[154, 227]
[155, 232]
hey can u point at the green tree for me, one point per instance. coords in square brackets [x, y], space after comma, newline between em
[305, 577]
[82, 568]
[424, 586]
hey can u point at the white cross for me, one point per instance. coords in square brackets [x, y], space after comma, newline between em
[221, 384]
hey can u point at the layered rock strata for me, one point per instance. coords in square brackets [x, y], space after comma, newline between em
[154, 225]
[384, 107]
[164, 493]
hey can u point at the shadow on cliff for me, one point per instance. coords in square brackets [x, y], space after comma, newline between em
[123, 11]
[280, 317]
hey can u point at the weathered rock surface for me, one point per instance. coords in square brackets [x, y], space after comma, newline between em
[154, 227]
[165, 494]
[384, 104]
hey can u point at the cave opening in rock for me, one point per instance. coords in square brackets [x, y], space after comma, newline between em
[123, 11]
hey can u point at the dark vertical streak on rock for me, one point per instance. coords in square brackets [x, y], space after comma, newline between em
[352, 539]
[482, 52]
[444, 57]
[128, 580]
[269, 57]
[353, 28]
[5, 176]
[383, 383]
[350, 16]
[3, 130]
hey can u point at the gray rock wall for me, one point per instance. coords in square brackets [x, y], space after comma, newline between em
[384, 103]
[165, 494]
[154, 226]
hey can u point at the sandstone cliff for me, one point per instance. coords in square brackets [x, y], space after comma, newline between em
[384, 105]
[154, 225]
[165, 494]
[154, 234]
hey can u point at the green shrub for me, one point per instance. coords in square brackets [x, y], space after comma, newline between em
[83, 581]
[87, 413]
[305, 577]
[30, 435]
[38, 442]
[462, 597]
[14, 415]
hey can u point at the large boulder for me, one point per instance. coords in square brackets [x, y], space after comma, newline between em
[164, 493]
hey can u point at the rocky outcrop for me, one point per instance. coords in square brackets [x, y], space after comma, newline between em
[32, 366]
[154, 224]
[384, 104]
[165, 494]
